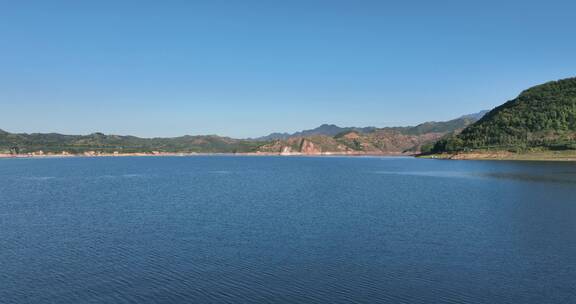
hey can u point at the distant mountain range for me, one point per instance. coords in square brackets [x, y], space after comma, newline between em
[333, 130]
[325, 129]
[321, 140]
[53, 143]
[370, 140]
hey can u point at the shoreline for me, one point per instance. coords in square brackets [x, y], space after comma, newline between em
[555, 156]
[95, 155]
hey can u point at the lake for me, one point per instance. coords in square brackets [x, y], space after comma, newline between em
[232, 229]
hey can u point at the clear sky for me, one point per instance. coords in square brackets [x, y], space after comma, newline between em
[247, 68]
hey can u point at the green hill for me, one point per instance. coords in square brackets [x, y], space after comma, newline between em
[540, 118]
[76, 144]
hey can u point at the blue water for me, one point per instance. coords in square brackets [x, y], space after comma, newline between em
[286, 230]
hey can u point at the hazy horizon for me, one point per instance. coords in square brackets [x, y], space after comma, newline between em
[249, 69]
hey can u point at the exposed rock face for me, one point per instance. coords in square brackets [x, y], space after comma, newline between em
[379, 142]
[286, 150]
[308, 147]
[328, 139]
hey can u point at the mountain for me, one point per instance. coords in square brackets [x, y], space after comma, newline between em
[324, 139]
[476, 116]
[333, 130]
[352, 142]
[77, 144]
[325, 129]
[440, 127]
[392, 140]
[542, 118]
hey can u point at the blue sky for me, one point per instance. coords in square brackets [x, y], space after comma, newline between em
[248, 68]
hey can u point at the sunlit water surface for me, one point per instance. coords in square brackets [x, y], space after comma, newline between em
[286, 230]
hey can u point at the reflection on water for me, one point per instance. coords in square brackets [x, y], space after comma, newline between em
[557, 177]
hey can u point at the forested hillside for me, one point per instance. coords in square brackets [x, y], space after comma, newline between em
[542, 117]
